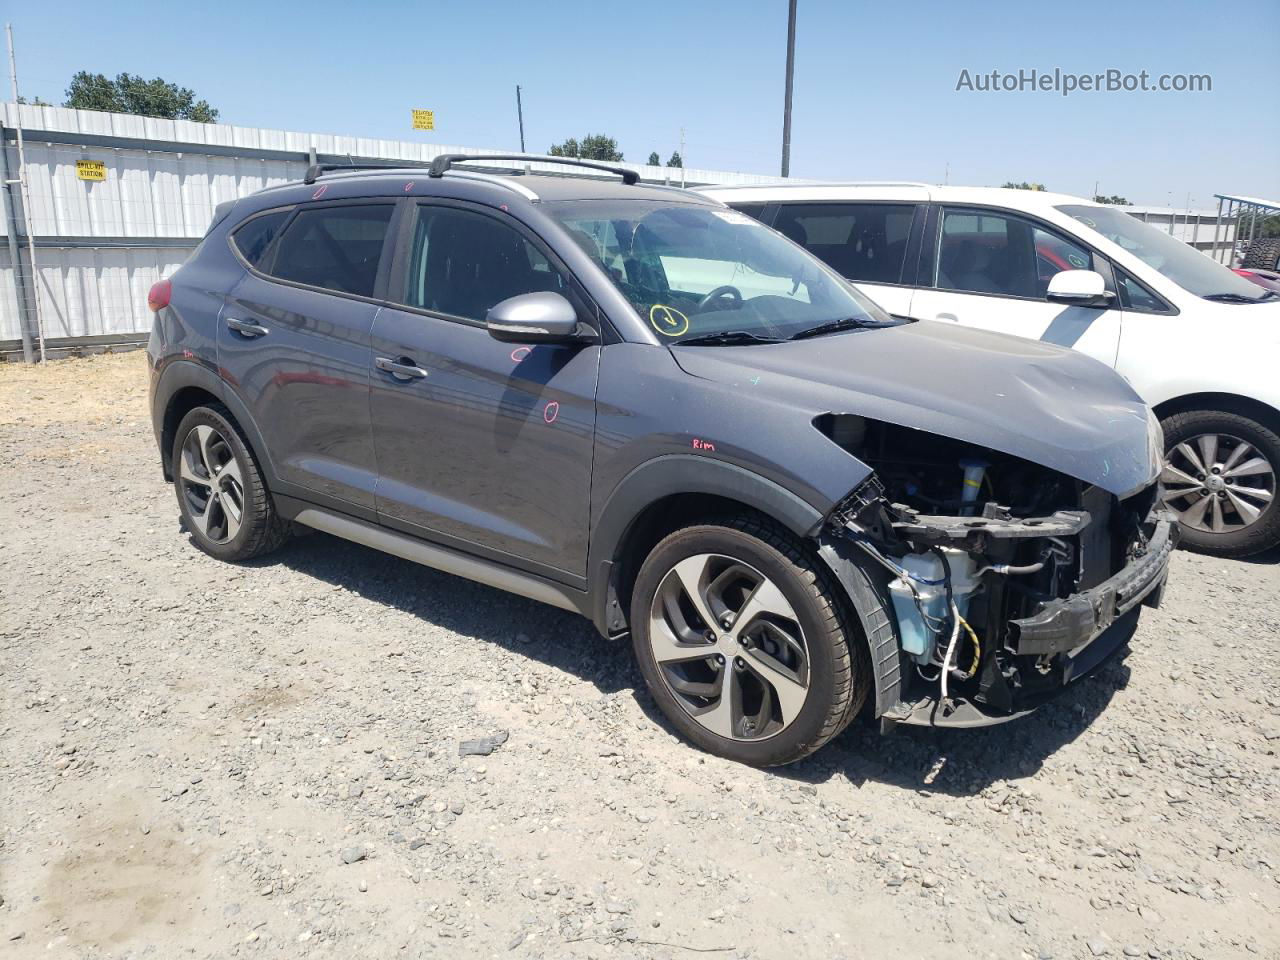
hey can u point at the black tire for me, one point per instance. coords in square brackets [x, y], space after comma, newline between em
[838, 670]
[1263, 533]
[1263, 254]
[260, 528]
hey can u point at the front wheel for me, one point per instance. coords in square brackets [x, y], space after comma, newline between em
[1220, 478]
[744, 643]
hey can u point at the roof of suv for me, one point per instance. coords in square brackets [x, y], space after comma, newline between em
[533, 187]
[996, 196]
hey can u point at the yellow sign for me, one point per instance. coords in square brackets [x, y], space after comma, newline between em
[668, 321]
[91, 170]
[424, 119]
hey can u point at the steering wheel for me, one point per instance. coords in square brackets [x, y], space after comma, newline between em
[722, 291]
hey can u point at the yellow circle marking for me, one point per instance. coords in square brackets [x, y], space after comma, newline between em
[668, 321]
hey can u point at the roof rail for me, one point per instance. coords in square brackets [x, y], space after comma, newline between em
[319, 169]
[445, 161]
[814, 184]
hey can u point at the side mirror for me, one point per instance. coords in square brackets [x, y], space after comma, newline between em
[533, 318]
[1083, 288]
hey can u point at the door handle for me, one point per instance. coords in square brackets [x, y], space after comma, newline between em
[402, 369]
[247, 327]
[948, 317]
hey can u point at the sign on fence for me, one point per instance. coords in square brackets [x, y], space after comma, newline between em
[91, 170]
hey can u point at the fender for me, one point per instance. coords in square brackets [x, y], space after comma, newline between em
[671, 475]
[180, 374]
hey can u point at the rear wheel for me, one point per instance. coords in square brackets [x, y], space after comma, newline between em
[1220, 478]
[221, 494]
[744, 643]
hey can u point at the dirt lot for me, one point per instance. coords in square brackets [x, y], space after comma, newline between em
[208, 760]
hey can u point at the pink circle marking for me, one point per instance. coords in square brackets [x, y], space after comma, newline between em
[408, 186]
[551, 411]
[519, 353]
[320, 191]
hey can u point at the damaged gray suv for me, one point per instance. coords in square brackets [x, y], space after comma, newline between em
[637, 404]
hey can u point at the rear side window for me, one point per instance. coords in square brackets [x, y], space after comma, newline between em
[254, 237]
[863, 241]
[753, 210]
[336, 247]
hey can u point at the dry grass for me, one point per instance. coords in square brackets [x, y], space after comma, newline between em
[103, 387]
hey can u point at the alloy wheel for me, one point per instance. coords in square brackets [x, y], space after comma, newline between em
[212, 484]
[729, 647]
[1218, 483]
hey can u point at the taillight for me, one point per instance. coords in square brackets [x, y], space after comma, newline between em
[158, 298]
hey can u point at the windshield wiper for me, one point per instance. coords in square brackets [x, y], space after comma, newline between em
[1240, 297]
[835, 326]
[726, 338]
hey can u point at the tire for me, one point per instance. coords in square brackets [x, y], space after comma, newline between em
[1263, 254]
[209, 453]
[803, 627]
[1245, 477]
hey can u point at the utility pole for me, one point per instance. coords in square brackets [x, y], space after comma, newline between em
[683, 164]
[520, 115]
[786, 105]
[26, 192]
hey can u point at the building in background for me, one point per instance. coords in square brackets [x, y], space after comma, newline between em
[118, 202]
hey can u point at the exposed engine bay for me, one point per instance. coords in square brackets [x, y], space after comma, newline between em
[1000, 572]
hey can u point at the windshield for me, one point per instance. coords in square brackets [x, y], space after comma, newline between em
[695, 271]
[1184, 265]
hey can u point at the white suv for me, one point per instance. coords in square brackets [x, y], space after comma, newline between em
[1198, 342]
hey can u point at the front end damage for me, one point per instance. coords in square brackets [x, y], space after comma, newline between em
[986, 583]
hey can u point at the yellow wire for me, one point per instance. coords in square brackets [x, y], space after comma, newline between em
[977, 647]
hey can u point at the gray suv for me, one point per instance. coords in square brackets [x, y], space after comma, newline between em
[638, 404]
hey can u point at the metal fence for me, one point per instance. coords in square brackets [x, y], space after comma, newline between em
[99, 245]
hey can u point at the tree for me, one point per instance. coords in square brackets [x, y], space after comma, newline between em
[1009, 184]
[676, 160]
[654, 160]
[131, 94]
[37, 102]
[594, 146]
[1117, 200]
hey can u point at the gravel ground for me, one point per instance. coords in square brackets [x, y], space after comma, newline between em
[203, 760]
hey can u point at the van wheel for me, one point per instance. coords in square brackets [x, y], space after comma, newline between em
[1220, 478]
[744, 642]
[224, 503]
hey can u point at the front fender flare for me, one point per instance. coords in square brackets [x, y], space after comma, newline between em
[673, 475]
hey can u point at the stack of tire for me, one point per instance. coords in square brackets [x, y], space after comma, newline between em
[1263, 254]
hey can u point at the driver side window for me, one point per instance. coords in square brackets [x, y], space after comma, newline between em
[462, 263]
[985, 251]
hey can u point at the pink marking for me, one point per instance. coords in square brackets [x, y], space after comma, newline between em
[551, 411]
[320, 191]
[703, 445]
[519, 353]
[503, 207]
[408, 186]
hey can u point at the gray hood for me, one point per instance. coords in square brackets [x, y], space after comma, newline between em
[1033, 400]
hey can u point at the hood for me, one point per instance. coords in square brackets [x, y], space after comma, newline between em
[1028, 399]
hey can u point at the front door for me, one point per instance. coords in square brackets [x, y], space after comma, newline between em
[293, 342]
[481, 444]
[990, 268]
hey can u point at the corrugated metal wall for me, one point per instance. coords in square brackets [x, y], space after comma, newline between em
[101, 245]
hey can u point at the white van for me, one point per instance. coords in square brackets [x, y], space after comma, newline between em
[1200, 343]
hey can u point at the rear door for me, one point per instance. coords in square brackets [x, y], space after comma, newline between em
[482, 445]
[294, 343]
[871, 243]
[990, 268]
